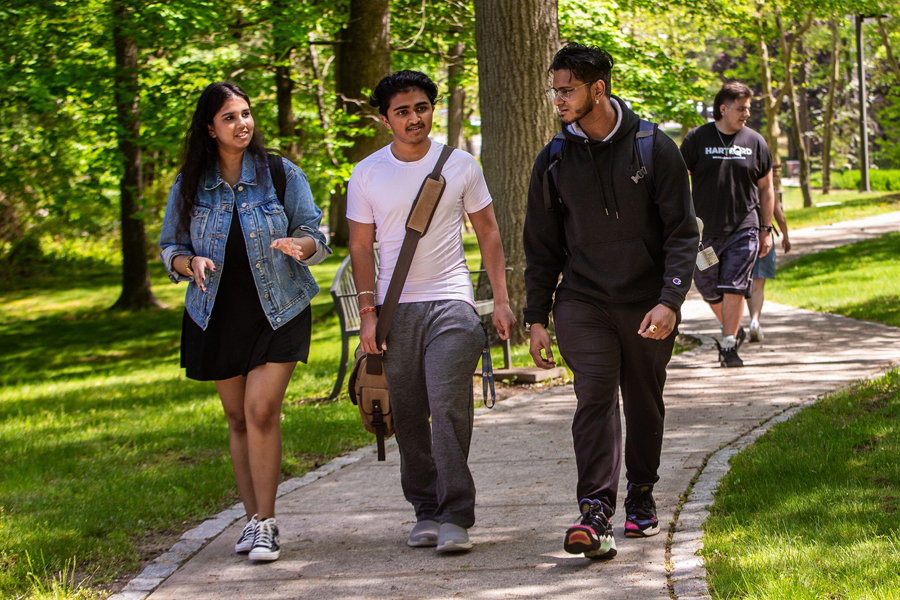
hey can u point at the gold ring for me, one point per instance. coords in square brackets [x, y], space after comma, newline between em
[652, 328]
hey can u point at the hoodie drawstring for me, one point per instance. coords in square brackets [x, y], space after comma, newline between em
[600, 182]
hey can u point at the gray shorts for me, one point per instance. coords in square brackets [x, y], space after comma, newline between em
[764, 268]
[737, 253]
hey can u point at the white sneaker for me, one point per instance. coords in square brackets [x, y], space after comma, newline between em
[265, 545]
[245, 542]
[756, 332]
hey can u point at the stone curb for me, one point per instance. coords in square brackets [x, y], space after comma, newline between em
[193, 540]
[687, 573]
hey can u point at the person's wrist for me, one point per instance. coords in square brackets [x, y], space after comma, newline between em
[187, 265]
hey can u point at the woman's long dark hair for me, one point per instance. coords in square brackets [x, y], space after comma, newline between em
[200, 149]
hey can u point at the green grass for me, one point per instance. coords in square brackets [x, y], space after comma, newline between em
[108, 451]
[852, 205]
[810, 510]
[861, 280]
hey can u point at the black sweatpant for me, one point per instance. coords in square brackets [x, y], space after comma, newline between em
[601, 345]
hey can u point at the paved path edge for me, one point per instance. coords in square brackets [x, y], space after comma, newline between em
[687, 573]
[194, 540]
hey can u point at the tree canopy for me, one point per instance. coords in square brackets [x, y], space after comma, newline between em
[62, 166]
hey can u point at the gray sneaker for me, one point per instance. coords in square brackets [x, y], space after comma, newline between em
[453, 538]
[424, 534]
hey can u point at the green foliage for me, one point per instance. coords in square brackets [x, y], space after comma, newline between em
[880, 180]
[809, 510]
[656, 67]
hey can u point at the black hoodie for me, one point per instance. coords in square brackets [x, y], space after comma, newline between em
[611, 240]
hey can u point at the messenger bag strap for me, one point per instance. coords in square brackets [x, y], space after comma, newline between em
[420, 216]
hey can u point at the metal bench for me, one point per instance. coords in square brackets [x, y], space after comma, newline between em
[343, 292]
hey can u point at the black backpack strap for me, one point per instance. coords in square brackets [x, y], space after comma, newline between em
[557, 145]
[279, 179]
[644, 140]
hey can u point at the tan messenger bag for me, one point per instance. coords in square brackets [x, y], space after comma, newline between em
[368, 385]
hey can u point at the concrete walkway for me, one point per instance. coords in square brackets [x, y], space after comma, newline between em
[343, 535]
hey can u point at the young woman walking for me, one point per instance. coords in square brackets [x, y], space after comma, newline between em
[245, 253]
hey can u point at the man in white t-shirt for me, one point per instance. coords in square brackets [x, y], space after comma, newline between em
[436, 337]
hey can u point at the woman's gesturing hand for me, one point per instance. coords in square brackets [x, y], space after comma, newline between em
[200, 264]
[296, 248]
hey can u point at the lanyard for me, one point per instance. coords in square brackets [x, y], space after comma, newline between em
[487, 371]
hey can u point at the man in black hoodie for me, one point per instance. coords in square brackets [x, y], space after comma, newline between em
[625, 248]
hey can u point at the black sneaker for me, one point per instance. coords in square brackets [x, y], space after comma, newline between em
[728, 357]
[640, 512]
[593, 536]
[266, 546]
[739, 338]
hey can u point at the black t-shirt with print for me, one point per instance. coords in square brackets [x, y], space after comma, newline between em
[725, 171]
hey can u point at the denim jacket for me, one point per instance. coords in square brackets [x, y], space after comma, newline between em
[284, 285]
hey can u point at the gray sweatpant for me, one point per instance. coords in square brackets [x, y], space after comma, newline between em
[433, 349]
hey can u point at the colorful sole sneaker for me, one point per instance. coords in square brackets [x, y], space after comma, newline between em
[593, 536]
[640, 512]
[265, 545]
[245, 542]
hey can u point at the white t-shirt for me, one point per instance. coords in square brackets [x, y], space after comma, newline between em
[382, 190]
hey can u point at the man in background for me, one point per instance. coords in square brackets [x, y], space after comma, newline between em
[731, 173]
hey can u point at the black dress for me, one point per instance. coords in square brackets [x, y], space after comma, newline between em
[239, 337]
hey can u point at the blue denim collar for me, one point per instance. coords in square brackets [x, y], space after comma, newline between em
[248, 173]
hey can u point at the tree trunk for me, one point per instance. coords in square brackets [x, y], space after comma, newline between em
[770, 106]
[889, 50]
[457, 97]
[318, 75]
[516, 40]
[828, 130]
[802, 92]
[136, 292]
[796, 130]
[364, 57]
[284, 85]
